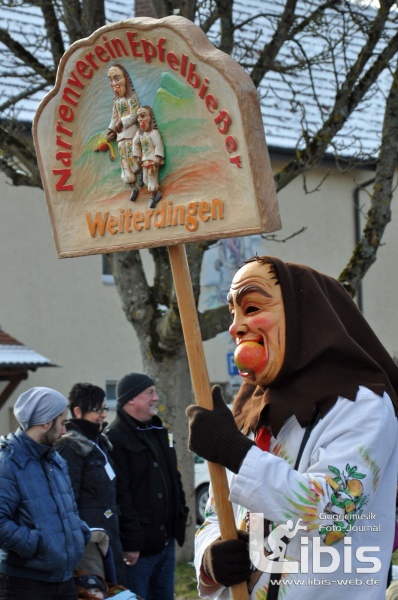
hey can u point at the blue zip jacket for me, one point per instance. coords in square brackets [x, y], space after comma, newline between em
[41, 534]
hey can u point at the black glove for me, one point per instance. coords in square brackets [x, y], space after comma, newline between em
[213, 434]
[227, 562]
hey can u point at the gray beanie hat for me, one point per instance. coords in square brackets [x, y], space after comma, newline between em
[130, 386]
[38, 406]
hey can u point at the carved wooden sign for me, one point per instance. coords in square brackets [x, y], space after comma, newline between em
[152, 137]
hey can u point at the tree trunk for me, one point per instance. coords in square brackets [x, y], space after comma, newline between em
[173, 384]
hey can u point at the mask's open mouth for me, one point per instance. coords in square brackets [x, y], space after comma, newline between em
[250, 357]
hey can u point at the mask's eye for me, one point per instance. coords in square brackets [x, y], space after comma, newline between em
[251, 309]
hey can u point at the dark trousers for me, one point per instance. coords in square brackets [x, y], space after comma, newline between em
[152, 577]
[15, 588]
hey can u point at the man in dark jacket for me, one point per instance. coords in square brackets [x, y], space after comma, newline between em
[149, 490]
[42, 537]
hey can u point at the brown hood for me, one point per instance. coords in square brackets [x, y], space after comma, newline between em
[330, 351]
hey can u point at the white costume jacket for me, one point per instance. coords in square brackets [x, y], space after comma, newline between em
[342, 497]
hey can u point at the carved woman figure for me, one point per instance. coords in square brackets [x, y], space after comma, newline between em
[123, 125]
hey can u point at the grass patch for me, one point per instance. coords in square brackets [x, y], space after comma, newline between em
[185, 582]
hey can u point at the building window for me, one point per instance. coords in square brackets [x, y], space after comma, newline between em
[110, 390]
[107, 276]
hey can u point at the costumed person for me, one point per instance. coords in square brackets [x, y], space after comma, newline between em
[150, 495]
[123, 125]
[87, 452]
[312, 441]
[42, 537]
[148, 152]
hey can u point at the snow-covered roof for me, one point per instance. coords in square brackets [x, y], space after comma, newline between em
[23, 22]
[297, 100]
[15, 354]
[283, 95]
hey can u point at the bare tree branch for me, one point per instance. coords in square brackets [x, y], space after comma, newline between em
[22, 96]
[92, 16]
[271, 50]
[379, 214]
[72, 19]
[224, 10]
[52, 28]
[19, 160]
[162, 8]
[347, 99]
[26, 57]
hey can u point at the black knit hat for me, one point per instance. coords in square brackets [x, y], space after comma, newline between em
[130, 386]
[89, 582]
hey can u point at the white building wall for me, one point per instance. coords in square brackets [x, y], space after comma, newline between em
[59, 307]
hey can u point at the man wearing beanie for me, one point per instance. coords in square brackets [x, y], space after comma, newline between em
[42, 537]
[152, 505]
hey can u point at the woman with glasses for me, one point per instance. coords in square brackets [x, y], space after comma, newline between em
[86, 451]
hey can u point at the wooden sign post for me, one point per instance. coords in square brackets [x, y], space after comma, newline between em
[201, 386]
[153, 137]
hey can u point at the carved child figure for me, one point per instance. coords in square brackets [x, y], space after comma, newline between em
[148, 151]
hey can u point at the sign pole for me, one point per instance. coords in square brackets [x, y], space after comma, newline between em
[202, 391]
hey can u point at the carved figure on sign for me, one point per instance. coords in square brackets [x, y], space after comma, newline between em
[123, 125]
[148, 151]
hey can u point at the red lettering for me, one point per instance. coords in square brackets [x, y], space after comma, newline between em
[66, 113]
[133, 43]
[223, 120]
[172, 61]
[73, 80]
[193, 78]
[184, 60]
[235, 160]
[108, 46]
[119, 47]
[230, 143]
[203, 88]
[68, 98]
[161, 49]
[64, 176]
[64, 157]
[149, 50]
[63, 129]
[61, 143]
[102, 54]
[82, 67]
[90, 58]
[211, 103]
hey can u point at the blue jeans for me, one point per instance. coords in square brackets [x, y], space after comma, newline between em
[16, 588]
[152, 577]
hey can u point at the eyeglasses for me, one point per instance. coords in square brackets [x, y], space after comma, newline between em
[100, 410]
